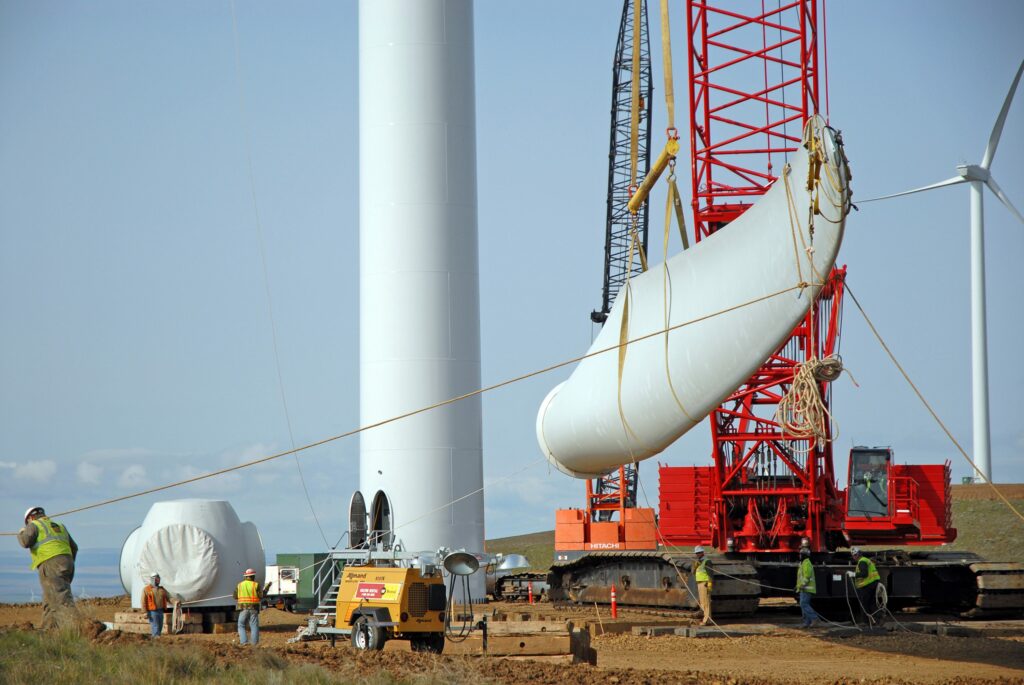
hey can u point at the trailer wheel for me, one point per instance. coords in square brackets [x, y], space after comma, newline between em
[428, 642]
[367, 636]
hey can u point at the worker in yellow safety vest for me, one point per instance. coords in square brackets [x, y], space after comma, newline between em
[865, 581]
[53, 553]
[702, 574]
[248, 597]
[806, 587]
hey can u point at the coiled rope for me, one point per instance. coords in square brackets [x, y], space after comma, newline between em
[801, 412]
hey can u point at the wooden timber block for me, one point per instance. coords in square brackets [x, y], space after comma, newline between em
[186, 619]
[224, 628]
[140, 628]
[654, 631]
[556, 659]
[528, 645]
[527, 627]
[212, 617]
[612, 627]
[131, 617]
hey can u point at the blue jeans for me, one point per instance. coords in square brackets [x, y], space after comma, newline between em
[252, 617]
[806, 610]
[156, 622]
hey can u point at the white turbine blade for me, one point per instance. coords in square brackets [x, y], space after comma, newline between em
[997, 130]
[940, 184]
[994, 187]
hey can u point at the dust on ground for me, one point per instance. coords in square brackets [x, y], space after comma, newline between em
[787, 655]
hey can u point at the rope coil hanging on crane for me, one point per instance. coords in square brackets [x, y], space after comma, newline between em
[802, 412]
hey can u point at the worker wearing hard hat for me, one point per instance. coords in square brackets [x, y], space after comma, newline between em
[865, 580]
[53, 555]
[248, 597]
[154, 601]
[806, 587]
[702, 574]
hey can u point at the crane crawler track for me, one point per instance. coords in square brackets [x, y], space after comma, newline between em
[1000, 589]
[653, 579]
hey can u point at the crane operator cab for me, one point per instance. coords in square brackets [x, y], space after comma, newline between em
[868, 492]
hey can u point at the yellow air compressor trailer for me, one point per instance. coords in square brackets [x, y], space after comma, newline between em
[377, 604]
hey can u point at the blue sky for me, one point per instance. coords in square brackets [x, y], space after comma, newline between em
[137, 346]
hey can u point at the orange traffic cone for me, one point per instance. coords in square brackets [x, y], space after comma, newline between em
[529, 592]
[615, 604]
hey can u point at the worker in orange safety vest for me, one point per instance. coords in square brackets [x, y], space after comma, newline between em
[154, 602]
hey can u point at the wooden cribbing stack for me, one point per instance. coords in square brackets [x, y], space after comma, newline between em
[521, 636]
[136, 621]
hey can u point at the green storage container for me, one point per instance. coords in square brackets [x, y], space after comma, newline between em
[308, 564]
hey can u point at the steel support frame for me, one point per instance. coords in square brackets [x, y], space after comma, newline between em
[753, 76]
[756, 459]
[734, 152]
[617, 490]
[619, 222]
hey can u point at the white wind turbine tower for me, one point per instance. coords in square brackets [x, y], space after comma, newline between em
[976, 175]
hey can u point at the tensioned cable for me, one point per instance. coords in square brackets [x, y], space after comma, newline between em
[928, 406]
[263, 261]
[431, 407]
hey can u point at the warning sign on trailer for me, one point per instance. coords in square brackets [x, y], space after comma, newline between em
[388, 592]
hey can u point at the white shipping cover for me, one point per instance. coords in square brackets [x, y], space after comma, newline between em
[184, 556]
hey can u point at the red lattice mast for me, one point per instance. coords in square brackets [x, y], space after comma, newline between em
[753, 83]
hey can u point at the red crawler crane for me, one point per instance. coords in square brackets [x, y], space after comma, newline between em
[753, 83]
[769, 491]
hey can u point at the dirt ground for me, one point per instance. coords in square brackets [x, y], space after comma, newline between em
[784, 655]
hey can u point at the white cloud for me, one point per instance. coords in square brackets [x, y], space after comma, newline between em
[133, 477]
[7, 465]
[39, 471]
[89, 473]
[216, 486]
[115, 453]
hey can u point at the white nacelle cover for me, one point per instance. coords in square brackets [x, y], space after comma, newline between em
[185, 557]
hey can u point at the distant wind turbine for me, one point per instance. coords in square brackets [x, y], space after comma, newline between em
[976, 175]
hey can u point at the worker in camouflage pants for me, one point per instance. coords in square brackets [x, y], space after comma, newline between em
[53, 555]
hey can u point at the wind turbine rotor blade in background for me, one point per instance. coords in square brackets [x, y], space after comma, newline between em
[994, 187]
[940, 184]
[997, 130]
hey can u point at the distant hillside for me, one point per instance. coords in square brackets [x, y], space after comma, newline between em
[984, 525]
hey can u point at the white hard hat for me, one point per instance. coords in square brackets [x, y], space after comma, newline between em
[698, 550]
[33, 510]
[249, 572]
[154, 574]
[855, 551]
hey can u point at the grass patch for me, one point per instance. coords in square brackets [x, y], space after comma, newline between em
[28, 658]
[538, 548]
[988, 528]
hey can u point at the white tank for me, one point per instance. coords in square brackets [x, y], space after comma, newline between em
[583, 427]
[200, 549]
[419, 318]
